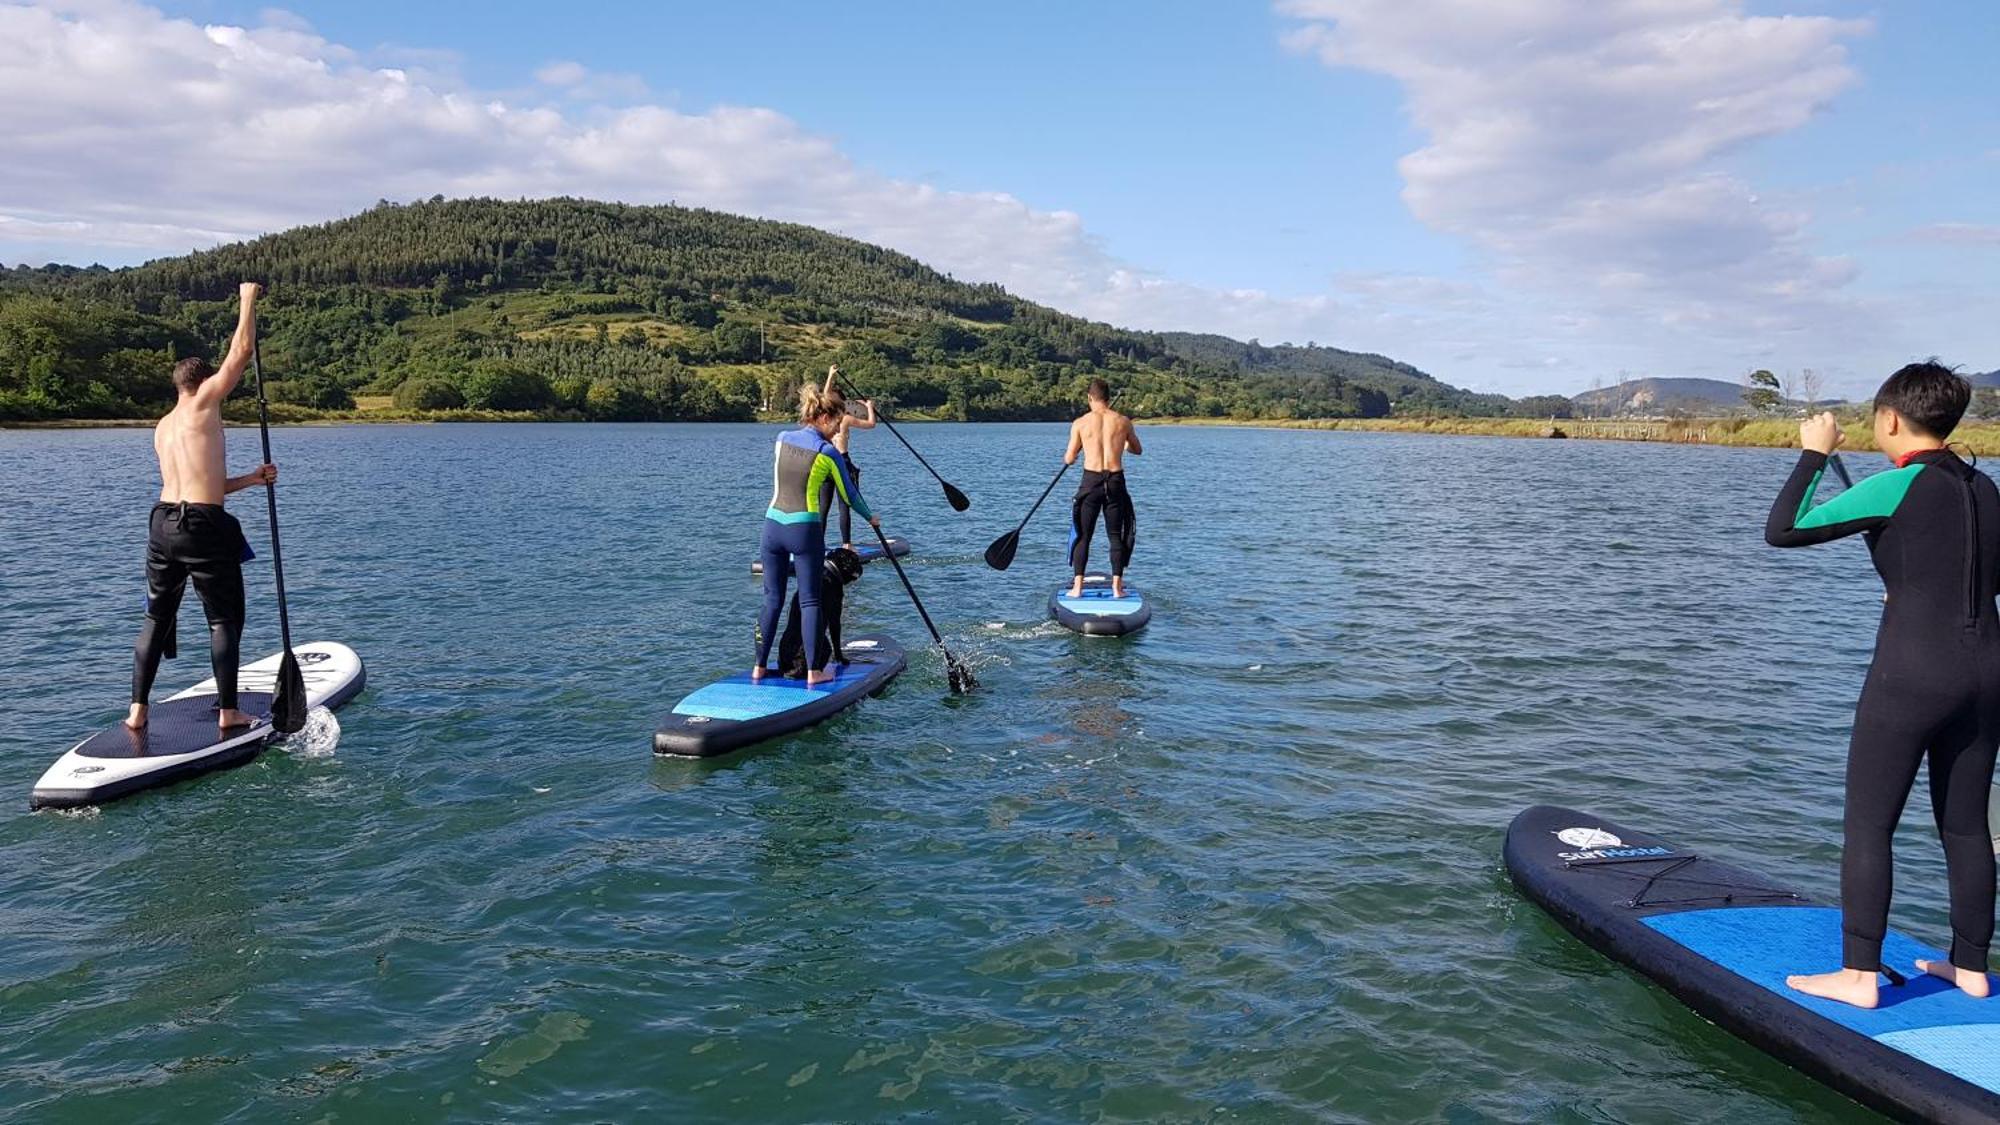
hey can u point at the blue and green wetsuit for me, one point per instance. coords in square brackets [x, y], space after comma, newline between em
[1932, 525]
[806, 473]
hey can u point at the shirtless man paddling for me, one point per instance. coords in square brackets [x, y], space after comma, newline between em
[189, 535]
[1104, 437]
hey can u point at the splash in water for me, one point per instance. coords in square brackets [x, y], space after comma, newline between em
[318, 737]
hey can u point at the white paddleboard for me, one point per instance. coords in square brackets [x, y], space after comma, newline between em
[181, 738]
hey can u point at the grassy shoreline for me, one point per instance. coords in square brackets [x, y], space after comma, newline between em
[1983, 438]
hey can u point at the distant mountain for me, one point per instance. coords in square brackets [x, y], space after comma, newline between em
[1985, 379]
[1409, 389]
[1654, 397]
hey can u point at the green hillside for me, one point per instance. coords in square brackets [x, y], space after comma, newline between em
[1406, 389]
[570, 308]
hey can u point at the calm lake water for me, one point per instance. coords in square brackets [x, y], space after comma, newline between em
[1244, 866]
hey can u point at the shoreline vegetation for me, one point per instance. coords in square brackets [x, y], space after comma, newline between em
[569, 310]
[1982, 438]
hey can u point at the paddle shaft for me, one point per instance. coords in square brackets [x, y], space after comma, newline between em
[951, 663]
[1044, 496]
[271, 498]
[882, 418]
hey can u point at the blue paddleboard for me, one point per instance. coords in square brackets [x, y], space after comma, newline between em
[1097, 613]
[1723, 939]
[735, 712]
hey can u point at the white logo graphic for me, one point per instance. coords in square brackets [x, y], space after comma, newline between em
[1589, 838]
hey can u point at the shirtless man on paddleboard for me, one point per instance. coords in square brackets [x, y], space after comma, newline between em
[189, 534]
[1103, 436]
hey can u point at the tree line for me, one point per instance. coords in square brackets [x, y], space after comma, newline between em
[577, 309]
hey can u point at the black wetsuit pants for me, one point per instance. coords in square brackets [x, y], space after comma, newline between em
[205, 543]
[1932, 695]
[846, 512]
[1101, 493]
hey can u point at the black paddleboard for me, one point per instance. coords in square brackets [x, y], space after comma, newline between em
[1722, 939]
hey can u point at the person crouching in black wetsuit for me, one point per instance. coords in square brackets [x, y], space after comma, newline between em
[842, 568]
[1932, 524]
[1103, 436]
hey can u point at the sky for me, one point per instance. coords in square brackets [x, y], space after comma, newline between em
[1522, 196]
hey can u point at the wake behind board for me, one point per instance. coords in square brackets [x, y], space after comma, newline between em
[181, 739]
[734, 712]
[1723, 939]
[1097, 613]
[869, 552]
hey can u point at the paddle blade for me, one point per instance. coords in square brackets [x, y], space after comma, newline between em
[1000, 555]
[959, 675]
[958, 500]
[288, 703]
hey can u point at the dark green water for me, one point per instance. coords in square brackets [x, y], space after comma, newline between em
[1244, 866]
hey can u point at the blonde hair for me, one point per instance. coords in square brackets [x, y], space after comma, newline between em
[816, 402]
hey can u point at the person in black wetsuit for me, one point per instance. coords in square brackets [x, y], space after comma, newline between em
[1102, 437]
[1932, 525]
[849, 422]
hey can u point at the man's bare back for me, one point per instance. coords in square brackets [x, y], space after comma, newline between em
[1103, 436]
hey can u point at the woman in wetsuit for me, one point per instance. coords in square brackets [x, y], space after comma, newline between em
[848, 424]
[807, 473]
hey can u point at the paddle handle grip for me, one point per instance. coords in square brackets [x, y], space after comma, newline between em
[884, 419]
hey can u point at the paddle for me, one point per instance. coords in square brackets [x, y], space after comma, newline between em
[1000, 554]
[1840, 470]
[958, 500]
[959, 675]
[288, 701]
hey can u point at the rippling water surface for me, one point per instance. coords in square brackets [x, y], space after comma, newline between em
[1243, 866]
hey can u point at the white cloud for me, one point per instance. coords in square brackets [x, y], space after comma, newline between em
[563, 72]
[1580, 148]
[154, 134]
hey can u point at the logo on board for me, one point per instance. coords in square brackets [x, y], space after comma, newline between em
[1596, 843]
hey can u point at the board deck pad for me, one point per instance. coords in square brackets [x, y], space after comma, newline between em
[735, 711]
[174, 726]
[869, 552]
[1723, 939]
[1097, 613]
[181, 738]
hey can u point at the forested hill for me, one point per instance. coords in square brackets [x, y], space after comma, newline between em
[1410, 389]
[571, 308]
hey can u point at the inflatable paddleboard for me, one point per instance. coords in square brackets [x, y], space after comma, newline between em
[869, 552]
[1723, 939]
[732, 713]
[181, 739]
[1097, 613]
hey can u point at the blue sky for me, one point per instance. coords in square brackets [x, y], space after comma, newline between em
[1581, 209]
